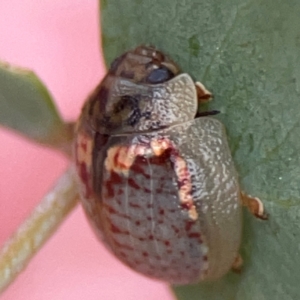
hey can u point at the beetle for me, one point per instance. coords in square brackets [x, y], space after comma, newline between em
[157, 180]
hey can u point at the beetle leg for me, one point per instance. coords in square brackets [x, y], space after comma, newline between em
[237, 264]
[203, 94]
[254, 205]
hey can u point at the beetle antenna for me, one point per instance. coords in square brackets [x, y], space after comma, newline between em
[206, 113]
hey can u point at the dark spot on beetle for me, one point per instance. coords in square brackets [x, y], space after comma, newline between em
[149, 205]
[147, 115]
[111, 183]
[182, 253]
[151, 237]
[133, 184]
[137, 262]
[110, 209]
[159, 191]
[100, 140]
[134, 205]
[167, 243]
[123, 254]
[149, 218]
[194, 235]
[158, 257]
[161, 212]
[175, 229]
[205, 258]
[147, 190]
[186, 206]
[138, 223]
[119, 245]
[117, 230]
[182, 182]
[160, 222]
[84, 175]
[141, 239]
[129, 106]
[187, 266]
[189, 225]
[145, 254]
[83, 145]
[136, 167]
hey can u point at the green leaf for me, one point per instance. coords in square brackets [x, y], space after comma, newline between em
[27, 107]
[248, 54]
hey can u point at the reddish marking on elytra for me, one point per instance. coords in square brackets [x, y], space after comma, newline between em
[123, 254]
[161, 212]
[182, 253]
[138, 169]
[111, 210]
[186, 205]
[188, 225]
[175, 229]
[151, 237]
[84, 175]
[141, 239]
[195, 235]
[116, 158]
[133, 184]
[149, 218]
[147, 190]
[149, 205]
[138, 223]
[83, 145]
[113, 180]
[134, 205]
[117, 230]
[184, 181]
[167, 243]
[145, 254]
[159, 191]
[119, 245]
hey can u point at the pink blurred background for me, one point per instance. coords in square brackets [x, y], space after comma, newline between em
[59, 40]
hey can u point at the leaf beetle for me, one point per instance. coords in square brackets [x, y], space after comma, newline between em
[158, 183]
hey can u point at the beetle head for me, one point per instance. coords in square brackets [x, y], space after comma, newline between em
[144, 64]
[137, 94]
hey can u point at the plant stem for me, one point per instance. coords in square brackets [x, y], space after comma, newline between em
[38, 228]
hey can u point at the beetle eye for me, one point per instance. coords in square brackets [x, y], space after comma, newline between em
[159, 75]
